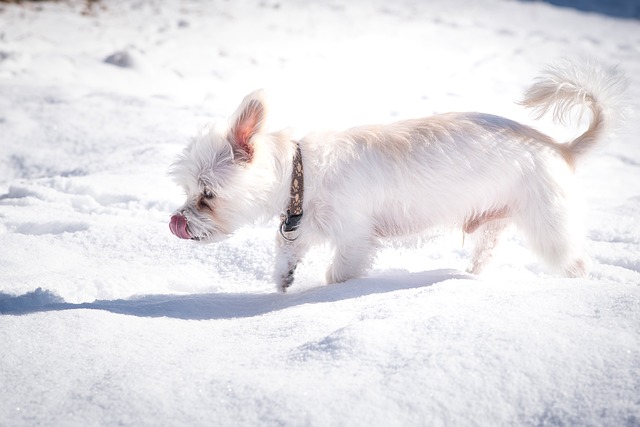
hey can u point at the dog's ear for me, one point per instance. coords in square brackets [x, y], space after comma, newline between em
[246, 122]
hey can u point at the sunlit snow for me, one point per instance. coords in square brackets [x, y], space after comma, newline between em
[108, 319]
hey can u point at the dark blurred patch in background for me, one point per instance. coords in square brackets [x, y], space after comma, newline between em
[618, 8]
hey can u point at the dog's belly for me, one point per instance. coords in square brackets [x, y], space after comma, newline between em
[390, 227]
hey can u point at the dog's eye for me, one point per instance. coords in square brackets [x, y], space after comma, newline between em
[208, 194]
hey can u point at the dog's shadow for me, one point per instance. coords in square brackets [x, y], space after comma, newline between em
[227, 305]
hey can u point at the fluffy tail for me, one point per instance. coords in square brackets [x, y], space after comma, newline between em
[563, 87]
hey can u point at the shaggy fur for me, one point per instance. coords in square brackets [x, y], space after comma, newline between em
[475, 171]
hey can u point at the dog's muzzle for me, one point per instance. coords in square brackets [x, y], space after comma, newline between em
[179, 227]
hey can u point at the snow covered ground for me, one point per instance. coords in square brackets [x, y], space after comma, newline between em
[107, 319]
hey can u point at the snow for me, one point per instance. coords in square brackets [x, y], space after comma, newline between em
[106, 318]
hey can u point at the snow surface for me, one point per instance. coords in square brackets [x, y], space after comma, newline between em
[107, 319]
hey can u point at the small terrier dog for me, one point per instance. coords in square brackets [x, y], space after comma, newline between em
[474, 171]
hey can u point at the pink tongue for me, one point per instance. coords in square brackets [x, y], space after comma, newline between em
[178, 226]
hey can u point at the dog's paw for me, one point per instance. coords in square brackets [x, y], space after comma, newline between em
[476, 267]
[329, 276]
[335, 275]
[578, 268]
[285, 281]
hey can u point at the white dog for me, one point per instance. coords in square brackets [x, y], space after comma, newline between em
[474, 171]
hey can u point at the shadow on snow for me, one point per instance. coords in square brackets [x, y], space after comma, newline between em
[226, 305]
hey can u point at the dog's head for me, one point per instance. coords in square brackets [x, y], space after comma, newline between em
[223, 174]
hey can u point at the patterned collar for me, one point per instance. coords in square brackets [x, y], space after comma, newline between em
[291, 220]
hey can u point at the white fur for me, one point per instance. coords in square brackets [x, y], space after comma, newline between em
[470, 170]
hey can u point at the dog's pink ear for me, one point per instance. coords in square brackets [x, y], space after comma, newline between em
[247, 121]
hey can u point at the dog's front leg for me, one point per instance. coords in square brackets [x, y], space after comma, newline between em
[288, 255]
[351, 259]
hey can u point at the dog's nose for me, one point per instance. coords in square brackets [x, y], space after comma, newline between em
[178, 226]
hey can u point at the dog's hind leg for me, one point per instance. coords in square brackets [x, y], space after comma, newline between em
[556, 245]
[554, 232]
[487, 236]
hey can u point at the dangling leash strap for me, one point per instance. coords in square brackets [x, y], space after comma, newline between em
[291, 221]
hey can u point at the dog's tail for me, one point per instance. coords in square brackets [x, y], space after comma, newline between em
[566, 86]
